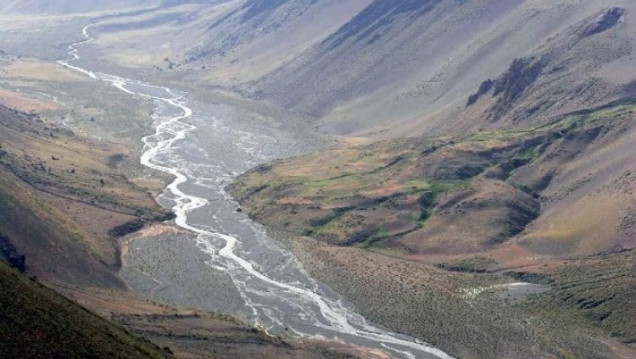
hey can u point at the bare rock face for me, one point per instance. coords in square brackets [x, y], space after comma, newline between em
[10, 253]
[484, 88]
[521, 74]
[567, 63]
[604, 21]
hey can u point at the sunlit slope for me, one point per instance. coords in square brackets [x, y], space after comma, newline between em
[351, 66]
[401, 68]
[551, 204]
[547, 186]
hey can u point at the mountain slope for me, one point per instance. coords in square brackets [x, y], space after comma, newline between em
[458, 195]
[254, 39]
[350, 66]
[224, 43]
[65, 199]
[412, 62]
[559, 77]
[501, 202]
[532, 178]
[470, 193]
[36, 322]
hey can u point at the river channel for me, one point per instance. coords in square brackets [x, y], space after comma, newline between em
[204, 150]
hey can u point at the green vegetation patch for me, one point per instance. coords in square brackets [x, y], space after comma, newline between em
[387, 190]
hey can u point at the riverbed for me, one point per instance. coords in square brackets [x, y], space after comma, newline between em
[222, 261]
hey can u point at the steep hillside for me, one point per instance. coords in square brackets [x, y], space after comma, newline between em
[378, 46]
[36, 322]
[167, 3]
[254, 18]
[221, 43]
[414, 62]
[581, 287]
[562, 76]
[54, 189]
[351, 65]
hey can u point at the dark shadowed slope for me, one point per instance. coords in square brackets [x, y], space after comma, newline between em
[36, 322]
[254, 18]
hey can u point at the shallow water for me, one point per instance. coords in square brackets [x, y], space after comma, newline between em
[205, 149]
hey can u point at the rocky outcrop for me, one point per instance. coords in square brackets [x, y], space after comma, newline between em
[127, 228]
[558, 77]
[520, 75]
[604, 21]
[139, 223]
[511, 85]
[484, 88]
[11, 254]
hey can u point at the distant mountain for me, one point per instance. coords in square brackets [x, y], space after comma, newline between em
[352, 65]
[70, 6]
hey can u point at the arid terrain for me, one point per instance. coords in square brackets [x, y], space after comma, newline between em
[71, 189]
[470, 183]
[440, 208]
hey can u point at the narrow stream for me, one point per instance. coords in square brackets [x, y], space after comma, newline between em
[204, 153]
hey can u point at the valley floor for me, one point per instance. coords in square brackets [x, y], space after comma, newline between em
[73, 172]
[72, 188]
